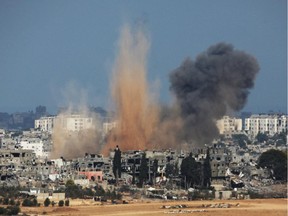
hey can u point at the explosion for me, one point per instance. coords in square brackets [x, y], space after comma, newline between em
[219, 79]
[136, 108]
[69, 140]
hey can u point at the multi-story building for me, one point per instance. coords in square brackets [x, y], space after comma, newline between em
[228, 125]
[36, 145]
[45, 123]
[108, 126]
[263, 123]
[78, 122]
[220, 158]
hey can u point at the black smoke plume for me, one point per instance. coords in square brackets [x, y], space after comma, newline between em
[218, 80]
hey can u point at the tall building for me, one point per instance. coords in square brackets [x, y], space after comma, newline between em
[45, 123]
[228, 125]
[263, 123]
[36, 145]
[78, 122]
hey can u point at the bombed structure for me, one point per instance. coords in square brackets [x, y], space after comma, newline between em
[80, 144]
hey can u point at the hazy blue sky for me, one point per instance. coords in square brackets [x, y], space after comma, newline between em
[48, 46]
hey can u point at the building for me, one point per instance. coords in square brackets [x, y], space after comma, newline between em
[229, 125]
[220, 158]
[45, 123]
[36, 145]
[77, 122]
[108, 126]
[263, 123]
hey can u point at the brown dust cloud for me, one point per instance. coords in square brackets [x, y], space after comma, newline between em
[136, 107]
[218, 81]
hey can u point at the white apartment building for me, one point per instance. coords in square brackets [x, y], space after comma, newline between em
[270, 124]
[228, 125]
[36, 145]
[108, 126]
[77, 122]
[45, 123]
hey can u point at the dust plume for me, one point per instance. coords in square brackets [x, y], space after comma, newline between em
[136, 107]
[77, 128]
[219, 79]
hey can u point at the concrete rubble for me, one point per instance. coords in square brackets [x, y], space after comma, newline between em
[231, 178]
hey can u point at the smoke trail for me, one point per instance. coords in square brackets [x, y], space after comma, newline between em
[136, 110]
[219, 79]
[68, 141]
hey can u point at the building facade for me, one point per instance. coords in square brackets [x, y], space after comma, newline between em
[77, 122]
[228, 125]
[45, 123]
[269, 124]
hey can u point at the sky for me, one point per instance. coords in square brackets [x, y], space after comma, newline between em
[55, 51]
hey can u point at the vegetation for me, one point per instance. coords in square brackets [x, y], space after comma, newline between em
[172, 170]
[10, 192]
[276, 161]
[190, 169]
[241, 139]
[262, 137]
[143, 170]
[5, 201]
[201, 195]
[53, 203]
[29, 203]
[67, 202]
[61, 203]
[47, 202]
[154, 170]
[280, 138]
[99, 190]
[10, 210]
[75, 191]
[207, 171]
[117, 163]
[255, 195]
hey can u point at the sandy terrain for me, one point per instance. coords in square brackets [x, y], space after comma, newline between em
[263, 207]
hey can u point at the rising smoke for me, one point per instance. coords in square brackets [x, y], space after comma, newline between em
[136, 107]
[68, 142]
[218, 80]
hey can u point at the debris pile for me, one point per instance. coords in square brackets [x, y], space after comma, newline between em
[184, 211]
[220, 205]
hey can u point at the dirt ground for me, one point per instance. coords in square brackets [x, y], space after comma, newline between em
[257, 207]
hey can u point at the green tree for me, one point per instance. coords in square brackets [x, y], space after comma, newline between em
[276, 161]
[169, 170]
[133, 172]
[47, 202]
[191, 170]
[99, 190]
[73, 191]
[67, 202]
[154, 170]
[69, 183]
[27, 202]
[280, 138]
[207, 170]
[6, 201]
[143, 170]
[61, 203]
[12, 210]
[11, 202]
[34, 202]
[262, 137]
[3, 211]
[53, 203]
[117, 163]
[241, 139]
